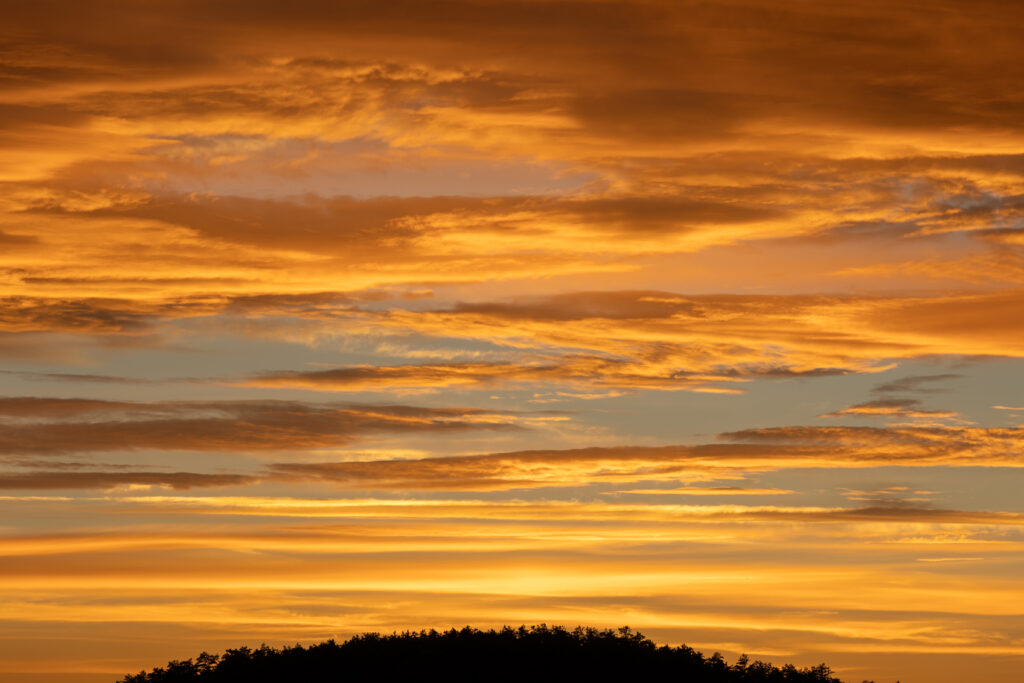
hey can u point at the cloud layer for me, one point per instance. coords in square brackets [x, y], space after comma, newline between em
[287, 293]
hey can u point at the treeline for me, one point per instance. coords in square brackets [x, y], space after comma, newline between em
[523, 655]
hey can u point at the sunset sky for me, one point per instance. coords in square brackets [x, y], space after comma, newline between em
[705, 318]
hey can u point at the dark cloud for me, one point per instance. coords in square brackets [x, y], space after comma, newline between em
[916, 384]
[44, 479]
[887, 511]
[660, 214]
[17, 117]
[659, 113]
[119, 316]
[782, 372]
[297, 304]
[73, 315]
[880, 65]
[76, 377]
[50, 408]
[355, 226]
[54, 426]
[592, 370]
[819, 435]
[955, 444]
[10, 240]
[378, 225]
[383, 377]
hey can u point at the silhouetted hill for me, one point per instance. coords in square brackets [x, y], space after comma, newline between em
[524, 655]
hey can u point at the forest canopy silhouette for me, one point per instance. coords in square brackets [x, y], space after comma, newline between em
[535, 653]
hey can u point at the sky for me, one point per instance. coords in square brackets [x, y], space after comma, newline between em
[704, 318]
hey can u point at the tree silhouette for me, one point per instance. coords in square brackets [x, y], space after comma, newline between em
[535, 653]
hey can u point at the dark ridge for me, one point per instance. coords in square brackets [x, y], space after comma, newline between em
[524, 655]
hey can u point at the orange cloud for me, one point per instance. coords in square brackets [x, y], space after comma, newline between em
[710, 491]
[892, 408]
[831, 447]
[625, 339]
[566, 371]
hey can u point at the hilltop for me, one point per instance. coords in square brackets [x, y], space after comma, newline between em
[535, 653]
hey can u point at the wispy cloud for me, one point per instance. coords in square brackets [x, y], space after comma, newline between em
[894, 407]
[54, 426]
[916, 384]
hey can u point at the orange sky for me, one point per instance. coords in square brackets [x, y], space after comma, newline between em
[326, 317]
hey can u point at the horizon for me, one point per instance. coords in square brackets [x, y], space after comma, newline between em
[339, 317]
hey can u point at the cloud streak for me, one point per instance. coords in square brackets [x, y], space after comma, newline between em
[43, 479]
[48, 426]
[752, 451]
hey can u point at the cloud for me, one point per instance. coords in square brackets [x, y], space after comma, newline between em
[33, 407]
[354, 228]
[892, 496]
[530, 469]
[918, 384]
[75, 377]
[23, 314]
[180, 137]
[373, 377]
[934, 445]
[709, 491]
[81, 426]
[621, 305]
[765, 449]
[554, 39]
[43, 479]
[738, 337]
[494, 512]
[620, 339]
[900, 407]
[9, 240]
[632, 214]
[982, 322]
[565, 371]
[54, 426]
[370, 227]
[93, 315]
